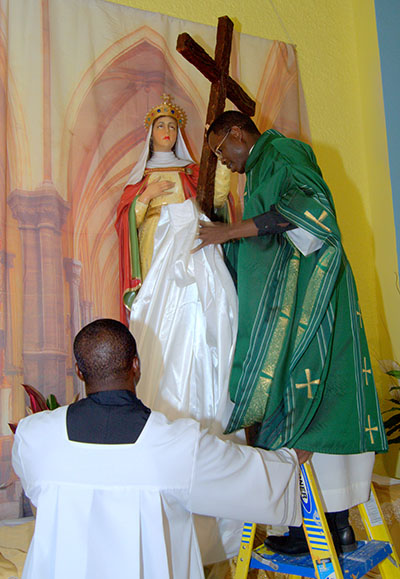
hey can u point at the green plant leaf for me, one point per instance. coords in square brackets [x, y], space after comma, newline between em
[52, 402]
[394, 373]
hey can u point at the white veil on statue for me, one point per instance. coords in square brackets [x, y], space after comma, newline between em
[180, 158]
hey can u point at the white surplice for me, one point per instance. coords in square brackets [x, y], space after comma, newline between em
[184, 320]
[123, 510]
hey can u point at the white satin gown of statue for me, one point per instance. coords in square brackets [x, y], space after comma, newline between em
[184, 319]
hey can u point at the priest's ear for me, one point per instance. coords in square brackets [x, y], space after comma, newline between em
[237, 133]
[78, 372]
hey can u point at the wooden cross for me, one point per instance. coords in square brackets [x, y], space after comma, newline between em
[222, 87]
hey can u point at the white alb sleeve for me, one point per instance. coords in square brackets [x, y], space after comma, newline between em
[304, 241]
[245, 483]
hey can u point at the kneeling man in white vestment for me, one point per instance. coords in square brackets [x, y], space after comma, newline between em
[115, 484]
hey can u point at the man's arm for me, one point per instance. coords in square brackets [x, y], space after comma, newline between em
[213, 233]
[244, 483]
[267, 223]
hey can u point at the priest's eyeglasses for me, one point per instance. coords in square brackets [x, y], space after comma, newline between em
[217, 150]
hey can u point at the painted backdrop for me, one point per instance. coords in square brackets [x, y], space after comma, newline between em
[76, 79]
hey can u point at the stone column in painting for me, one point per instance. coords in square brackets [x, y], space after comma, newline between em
[6, 262]
[6, 265]
[41, 215]
[73, 269]
[86, 312]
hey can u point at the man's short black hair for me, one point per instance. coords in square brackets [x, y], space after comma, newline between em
[230, 119]
[104, 348]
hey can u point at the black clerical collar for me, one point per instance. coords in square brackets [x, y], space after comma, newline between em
[115, 397]
[109, 417]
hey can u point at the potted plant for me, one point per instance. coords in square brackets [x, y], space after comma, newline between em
[392, 424]
[37, 403]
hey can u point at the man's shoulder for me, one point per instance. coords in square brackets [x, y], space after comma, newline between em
[175, 427]
[267, 146]
[185, 431]
[41, 419]
[292, 150]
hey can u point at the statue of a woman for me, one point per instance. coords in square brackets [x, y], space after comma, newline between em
[164, 174]
[183, 305]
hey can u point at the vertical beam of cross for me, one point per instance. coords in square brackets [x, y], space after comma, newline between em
[222, 87]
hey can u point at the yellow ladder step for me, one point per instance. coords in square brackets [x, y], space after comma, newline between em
[323, 562]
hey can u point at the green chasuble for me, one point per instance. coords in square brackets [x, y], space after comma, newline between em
[302, 368]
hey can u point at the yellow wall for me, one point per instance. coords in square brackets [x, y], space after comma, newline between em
[339, 63]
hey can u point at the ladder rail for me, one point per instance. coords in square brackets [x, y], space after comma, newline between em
[245, 551]
[376, 528]
[322, 550]
[319, 539]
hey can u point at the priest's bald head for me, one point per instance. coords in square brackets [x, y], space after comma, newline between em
[106, 356]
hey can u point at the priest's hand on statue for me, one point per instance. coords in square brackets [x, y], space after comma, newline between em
[212, 233]
[155, 189]
[302, 455]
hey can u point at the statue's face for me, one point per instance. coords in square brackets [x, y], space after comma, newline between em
[165, 132]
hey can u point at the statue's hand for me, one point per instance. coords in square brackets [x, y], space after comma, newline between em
[155, 189]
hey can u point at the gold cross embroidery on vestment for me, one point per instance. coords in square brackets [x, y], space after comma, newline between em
[370, 429]
[318, 220]
[366, 371]
[308, 383]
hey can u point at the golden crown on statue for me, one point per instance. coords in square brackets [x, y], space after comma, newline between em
[166, 109]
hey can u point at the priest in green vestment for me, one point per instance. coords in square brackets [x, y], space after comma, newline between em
[302, 371]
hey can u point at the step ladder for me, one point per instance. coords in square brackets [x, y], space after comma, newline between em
[323, 562]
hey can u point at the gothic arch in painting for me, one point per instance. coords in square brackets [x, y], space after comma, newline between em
[107, 133]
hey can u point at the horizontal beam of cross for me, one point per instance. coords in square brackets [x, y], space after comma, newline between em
[197, 56]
